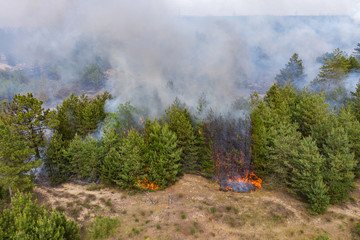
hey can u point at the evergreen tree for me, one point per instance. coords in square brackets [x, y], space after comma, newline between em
[179, 122]
[305, 167]
[79, 115]
[162, 156]
[354, 101]
[15, 161]
[282, 146]
[339, 165]
[56, 164]
[335, 68]
[356, 52]
[258, 132]
[26, 220]
[354, 64]
[310, 109]
[83, 157]
[318, 196]
[293, 73]
[26, 116]
[123, 163]
[352, 128]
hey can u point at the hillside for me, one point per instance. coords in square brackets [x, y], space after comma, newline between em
[195, 208]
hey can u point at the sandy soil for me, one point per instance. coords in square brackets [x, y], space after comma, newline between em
[194, 208]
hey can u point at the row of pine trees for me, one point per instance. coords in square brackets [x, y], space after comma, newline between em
[308, 139]
[305, 139]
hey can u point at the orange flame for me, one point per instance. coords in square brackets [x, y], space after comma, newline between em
[199, 132]
[146, 185]
[249, 178]
[141, 120]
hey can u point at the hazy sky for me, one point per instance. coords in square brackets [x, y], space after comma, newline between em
[266, 7]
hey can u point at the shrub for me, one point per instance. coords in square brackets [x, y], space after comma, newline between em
[102, 227]
[28, 221]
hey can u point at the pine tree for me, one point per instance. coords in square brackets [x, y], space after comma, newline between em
[79, 115]
[293, 73]
[26, 220]
[310, 108]
[162, 156]
[352, 127]
[258, 131]
[339, 165]
[356, 52]
[123, 163]
[354, 101]
[179, 122]
[83, 157]
[318, 196]
[282, 146]
[26, 116]
[15, 161]
[335, 68]
[56, 164]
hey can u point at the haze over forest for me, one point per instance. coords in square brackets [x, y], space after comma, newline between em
[144, 102]
[156, 54]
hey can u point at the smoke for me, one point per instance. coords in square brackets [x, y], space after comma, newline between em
[156, 54]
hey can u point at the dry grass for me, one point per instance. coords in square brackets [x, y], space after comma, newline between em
[209, 213]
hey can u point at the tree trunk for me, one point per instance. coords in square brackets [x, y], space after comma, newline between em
[10, 192]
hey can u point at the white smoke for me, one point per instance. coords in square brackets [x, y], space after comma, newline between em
[157, 54]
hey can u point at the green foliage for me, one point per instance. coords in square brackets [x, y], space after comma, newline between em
[354, 101]
[179, 121]
[102, 227]
[305, 175]
[322, 237]
[123, 163]
[339, 165]
[125, 118]
[282, 147]
[357, 228]
[335, 68]
[56, 164]
[26, 220]
[297, 140]
[310, 108]
[26, 116]
[83, 158]
[318, 197]
[162, 156]
[15, 161]
[92, 76]
[293, 73]
[258, 132]
[79, 115]
[351, 125]
[11, 82]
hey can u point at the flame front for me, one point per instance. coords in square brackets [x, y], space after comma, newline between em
[147, 185]
[249, 178]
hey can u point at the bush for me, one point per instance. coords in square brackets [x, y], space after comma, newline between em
[28, 221]
[102, 227]
[357, 228]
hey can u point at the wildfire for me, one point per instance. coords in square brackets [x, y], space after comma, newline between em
[249, 183]
[141, 120]
[147, 185]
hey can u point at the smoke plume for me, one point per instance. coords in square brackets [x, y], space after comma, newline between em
[157, 54]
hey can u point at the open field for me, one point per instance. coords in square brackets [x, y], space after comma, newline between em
[194, 208]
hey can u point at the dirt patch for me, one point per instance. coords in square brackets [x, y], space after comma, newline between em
[194, 208]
